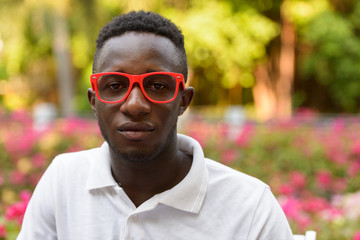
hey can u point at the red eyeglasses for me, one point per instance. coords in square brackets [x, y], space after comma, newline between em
[157, 87]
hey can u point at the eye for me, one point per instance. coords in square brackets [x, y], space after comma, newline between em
[115, 86]
[112, 83]
[158, 86]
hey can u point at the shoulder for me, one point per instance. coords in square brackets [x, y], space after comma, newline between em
[246, 201]
[221, 173]
[68, 166]
[231, 185]
[79, 157]
[73, 159]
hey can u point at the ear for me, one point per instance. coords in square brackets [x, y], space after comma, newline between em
[186, 97]
[92, 98]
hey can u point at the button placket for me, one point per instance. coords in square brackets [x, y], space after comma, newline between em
[131, 220]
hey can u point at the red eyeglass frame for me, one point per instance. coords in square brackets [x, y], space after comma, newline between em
[136, 79]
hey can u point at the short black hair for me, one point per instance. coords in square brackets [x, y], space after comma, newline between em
[141, 21]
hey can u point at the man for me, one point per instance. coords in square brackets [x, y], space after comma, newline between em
[146, 181]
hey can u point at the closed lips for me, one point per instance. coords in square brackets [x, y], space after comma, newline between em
[136, 127]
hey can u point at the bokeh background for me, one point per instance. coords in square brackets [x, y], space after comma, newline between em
[277, 96]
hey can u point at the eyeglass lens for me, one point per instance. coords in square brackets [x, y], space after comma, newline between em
[158, 87]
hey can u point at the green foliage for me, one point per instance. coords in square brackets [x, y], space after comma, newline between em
[333, 57]
[225, 42]
[301, 12]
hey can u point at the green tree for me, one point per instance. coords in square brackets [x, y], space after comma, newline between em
[240, 52]
[224, 46]
[329, 66]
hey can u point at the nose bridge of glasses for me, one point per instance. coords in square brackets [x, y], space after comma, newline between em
[136, 81]
[136, 78]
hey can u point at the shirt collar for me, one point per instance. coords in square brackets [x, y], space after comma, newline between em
[100, 175]
[188, 195]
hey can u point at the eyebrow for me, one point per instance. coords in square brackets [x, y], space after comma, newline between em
[150, 70]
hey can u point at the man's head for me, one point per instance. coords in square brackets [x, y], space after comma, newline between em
[145, 22]
[136, 128]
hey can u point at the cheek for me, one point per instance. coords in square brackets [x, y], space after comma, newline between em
[105, 114]
[165, 115]
[173, 114]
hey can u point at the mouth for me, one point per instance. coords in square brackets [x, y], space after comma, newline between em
[136, 131]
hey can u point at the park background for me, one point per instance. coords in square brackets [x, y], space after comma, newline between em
[277, 96]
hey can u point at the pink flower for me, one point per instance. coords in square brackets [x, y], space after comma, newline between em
[291, 207]
[21, 115]
[357, 235]
[336, 155]
[73, 125]
[197, 137]
[228, 156]
[243, 138]
[16, 211]
[38, 160]
[224, 129]
[286, 189]
[316, 204]
[17, 177]
[354, 168]
[21, 144]
[324, 179]
[2, 231]
[339, 126]
[298, 179]
[25, 196]
[356, 148]
[1, 179]
[304, 221]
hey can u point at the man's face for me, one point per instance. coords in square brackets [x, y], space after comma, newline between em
[137, 129]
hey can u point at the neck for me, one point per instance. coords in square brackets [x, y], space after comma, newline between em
[142, 180]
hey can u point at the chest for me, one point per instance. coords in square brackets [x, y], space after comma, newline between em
[111, 215]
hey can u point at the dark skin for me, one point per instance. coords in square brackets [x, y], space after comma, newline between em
[141, 134]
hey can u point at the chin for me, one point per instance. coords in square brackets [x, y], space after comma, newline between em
[136, 156]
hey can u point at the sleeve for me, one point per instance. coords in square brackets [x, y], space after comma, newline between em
[39, 219]
[269, 221]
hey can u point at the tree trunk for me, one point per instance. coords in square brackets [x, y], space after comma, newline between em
[273, 88]
[264, 94]
[286, 71]
[63, 65]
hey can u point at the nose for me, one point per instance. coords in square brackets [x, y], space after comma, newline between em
[136, 104]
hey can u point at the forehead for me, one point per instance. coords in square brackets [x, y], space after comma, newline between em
[138, 50]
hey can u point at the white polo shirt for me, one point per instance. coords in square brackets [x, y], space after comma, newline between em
[77, 198]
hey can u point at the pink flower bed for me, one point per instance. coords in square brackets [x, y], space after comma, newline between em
[26, 152]
[312, 166]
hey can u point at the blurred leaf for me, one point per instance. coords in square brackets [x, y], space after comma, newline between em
[225, 43]
[334, 58]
